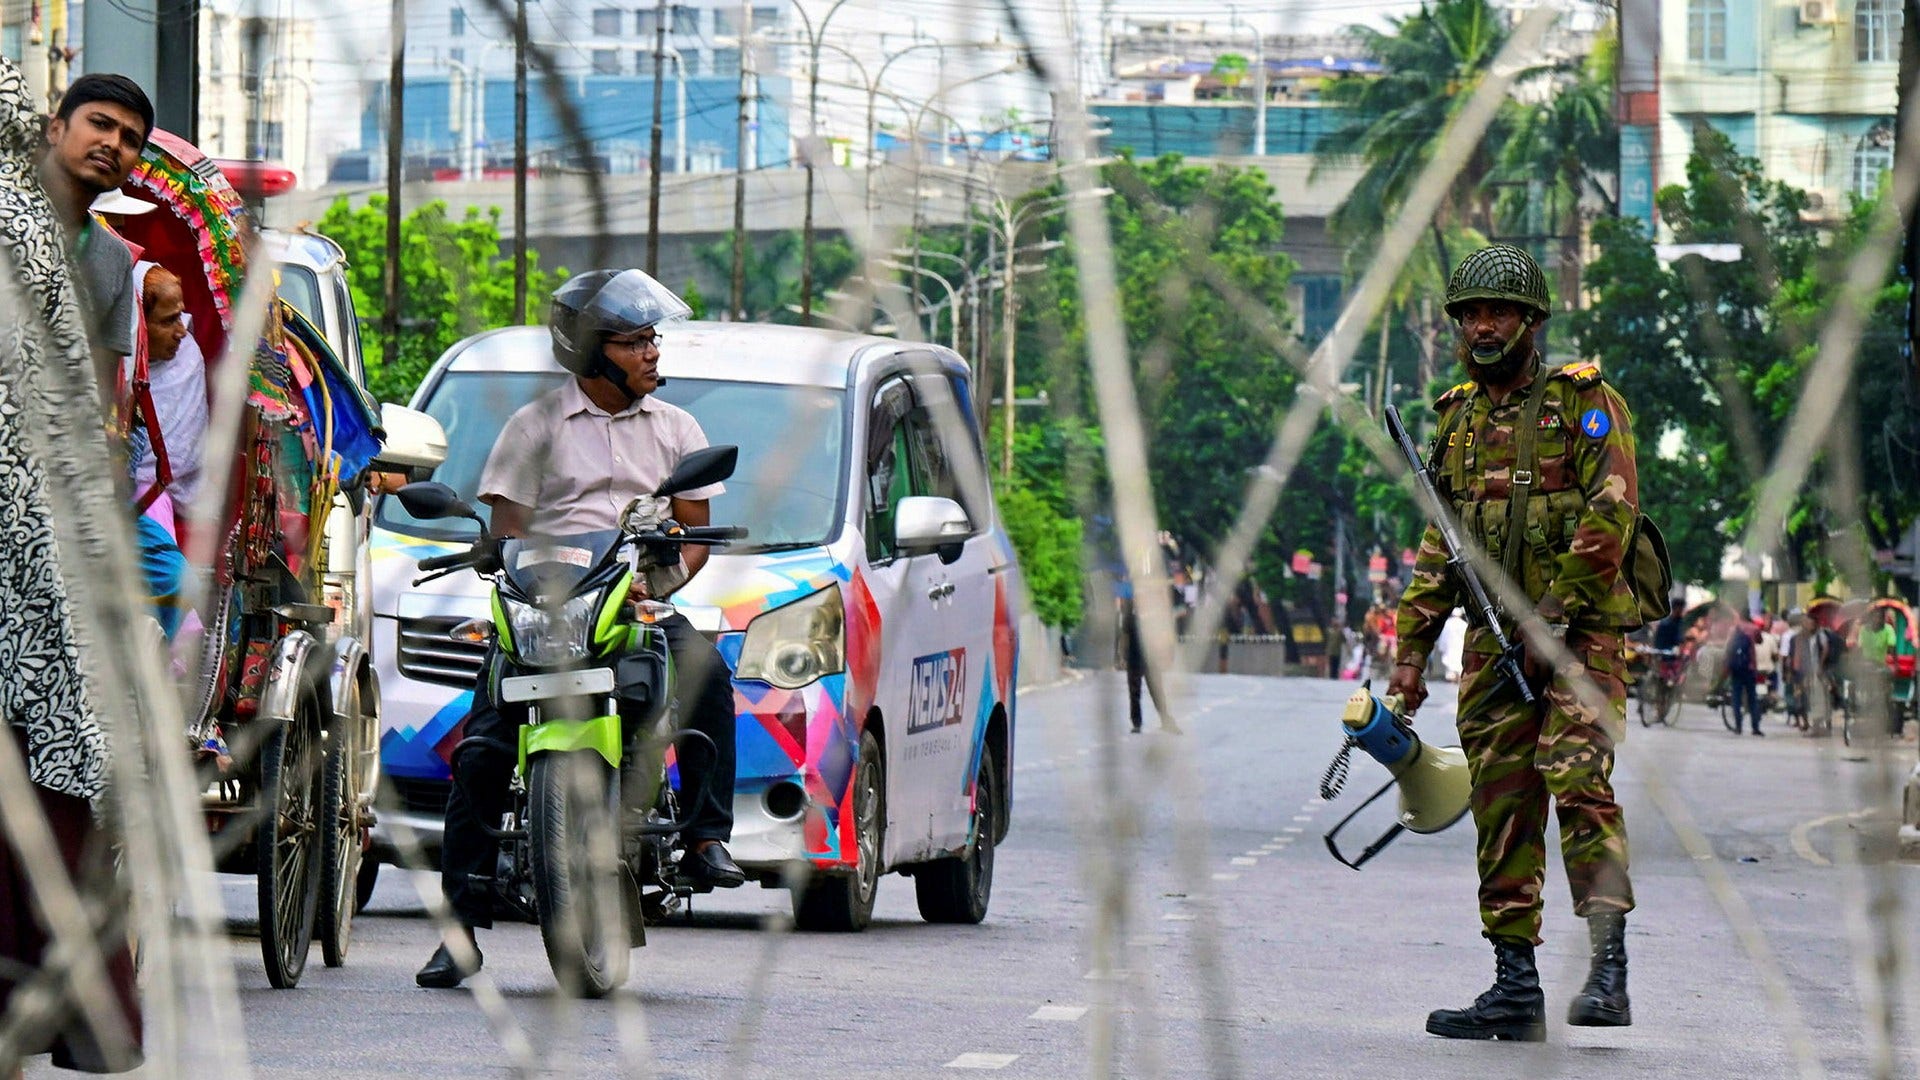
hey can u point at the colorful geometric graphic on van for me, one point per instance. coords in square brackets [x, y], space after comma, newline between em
[744, 588]
[392, 545]
[423, 752]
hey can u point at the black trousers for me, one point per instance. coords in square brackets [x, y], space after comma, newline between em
[489, 746]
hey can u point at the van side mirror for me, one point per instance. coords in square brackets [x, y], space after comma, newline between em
[414, 444]
[428, 500]
[923, 523]
[709, 465]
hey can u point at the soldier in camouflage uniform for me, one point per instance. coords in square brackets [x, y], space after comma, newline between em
[1564, 546]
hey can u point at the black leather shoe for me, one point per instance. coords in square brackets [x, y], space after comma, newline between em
[713, 867]
[1603, 1002]
[1513, 1008]
[442, 972]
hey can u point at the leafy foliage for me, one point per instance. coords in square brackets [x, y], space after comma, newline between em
[454, 281]
[772, 273]
[1712, 357]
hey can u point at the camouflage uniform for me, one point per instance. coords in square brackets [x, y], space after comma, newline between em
[1580, 516]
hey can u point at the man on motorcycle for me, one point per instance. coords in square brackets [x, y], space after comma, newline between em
[570, 461]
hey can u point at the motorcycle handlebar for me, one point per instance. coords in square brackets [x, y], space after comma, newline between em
[441, 562]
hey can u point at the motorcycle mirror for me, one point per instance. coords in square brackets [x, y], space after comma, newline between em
[700, 468]
[430, 499]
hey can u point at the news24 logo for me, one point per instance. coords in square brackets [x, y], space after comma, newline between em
[937, 690]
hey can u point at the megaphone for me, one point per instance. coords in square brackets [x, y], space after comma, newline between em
[1433, 780]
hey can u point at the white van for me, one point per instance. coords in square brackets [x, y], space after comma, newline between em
[870, 619]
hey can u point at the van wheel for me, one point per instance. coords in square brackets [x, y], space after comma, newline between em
[957, 890]
[844, 901]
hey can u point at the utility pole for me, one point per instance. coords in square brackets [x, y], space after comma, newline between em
[520, 162]
[738, 297]
[653, 165]
[1006, 345]
[396, 164]
[1903, 124]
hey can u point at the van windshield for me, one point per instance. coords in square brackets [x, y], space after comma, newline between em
[785, 491]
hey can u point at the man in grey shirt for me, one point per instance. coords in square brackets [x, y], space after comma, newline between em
[93, 143]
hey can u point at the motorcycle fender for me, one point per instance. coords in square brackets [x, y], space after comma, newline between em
[601, 734]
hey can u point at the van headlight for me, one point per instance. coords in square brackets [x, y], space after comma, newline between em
[547, 636]
[794, 645]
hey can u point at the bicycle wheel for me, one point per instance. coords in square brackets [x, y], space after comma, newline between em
[1729, 715]
[1648, 706]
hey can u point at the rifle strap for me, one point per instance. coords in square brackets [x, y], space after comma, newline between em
[1525, 460]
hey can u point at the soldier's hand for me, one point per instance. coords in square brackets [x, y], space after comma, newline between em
[1410, 683]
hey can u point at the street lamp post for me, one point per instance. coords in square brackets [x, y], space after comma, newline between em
[814, 37]
[953, 298]
[1259, 81]
[1012, 220]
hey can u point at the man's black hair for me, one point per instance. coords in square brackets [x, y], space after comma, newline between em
[110, 88]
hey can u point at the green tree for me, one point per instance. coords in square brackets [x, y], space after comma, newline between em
[1712, 357]
[1554, 155]
[1202, 285]
[454, 281]
[1431, 62]
[773, 273]
[1231, 69]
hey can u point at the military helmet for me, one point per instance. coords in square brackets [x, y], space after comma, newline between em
[1499, 272]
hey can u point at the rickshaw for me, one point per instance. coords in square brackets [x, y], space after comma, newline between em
[1902, 701]
[281, 708]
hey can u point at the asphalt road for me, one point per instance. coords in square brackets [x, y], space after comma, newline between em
[1242, 947]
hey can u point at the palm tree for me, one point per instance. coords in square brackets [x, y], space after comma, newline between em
[1432, 61]
[1554, 154]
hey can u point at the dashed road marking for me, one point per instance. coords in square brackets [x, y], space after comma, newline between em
[1226, 877]
[1295, 829]
[1058, 1012]
[1242, 860]
[1303, 817]
[1176, 916]
[977, 1060]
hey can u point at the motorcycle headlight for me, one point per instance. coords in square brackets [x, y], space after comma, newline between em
[794, 645]
[549, 636]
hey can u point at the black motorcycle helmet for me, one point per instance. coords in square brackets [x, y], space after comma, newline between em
[599, 304]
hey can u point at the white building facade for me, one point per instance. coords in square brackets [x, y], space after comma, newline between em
[1807, 87]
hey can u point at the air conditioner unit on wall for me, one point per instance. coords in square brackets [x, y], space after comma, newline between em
[1817, 12]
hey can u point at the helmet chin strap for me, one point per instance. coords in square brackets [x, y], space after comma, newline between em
[603, 368]
[1494, 356]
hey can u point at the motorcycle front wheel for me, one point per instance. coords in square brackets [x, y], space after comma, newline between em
[573, 836]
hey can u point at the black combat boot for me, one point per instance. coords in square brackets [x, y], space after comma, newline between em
[1514, 1008]
[1604, 1001]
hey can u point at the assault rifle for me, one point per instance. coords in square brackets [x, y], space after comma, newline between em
[1480, 607]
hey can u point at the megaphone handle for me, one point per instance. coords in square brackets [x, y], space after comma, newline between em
[1371, 849]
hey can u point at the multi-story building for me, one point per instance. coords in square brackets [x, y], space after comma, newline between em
[1806, 87]
[1170, 92]
[459, 105]
[256, 88]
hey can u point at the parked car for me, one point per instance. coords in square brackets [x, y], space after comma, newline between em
[869, 620]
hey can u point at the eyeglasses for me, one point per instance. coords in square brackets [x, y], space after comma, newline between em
[636, 344]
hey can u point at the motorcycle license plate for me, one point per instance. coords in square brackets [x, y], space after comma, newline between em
[557, 684]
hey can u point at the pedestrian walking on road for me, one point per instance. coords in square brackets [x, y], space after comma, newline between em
[1796, 660]
[1538, 463]
[1742, 684]
[1135, 655]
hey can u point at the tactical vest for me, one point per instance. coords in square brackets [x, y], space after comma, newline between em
[1476, 467]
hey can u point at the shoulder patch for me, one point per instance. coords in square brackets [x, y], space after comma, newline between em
[1458, 393]
[1584, 373]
